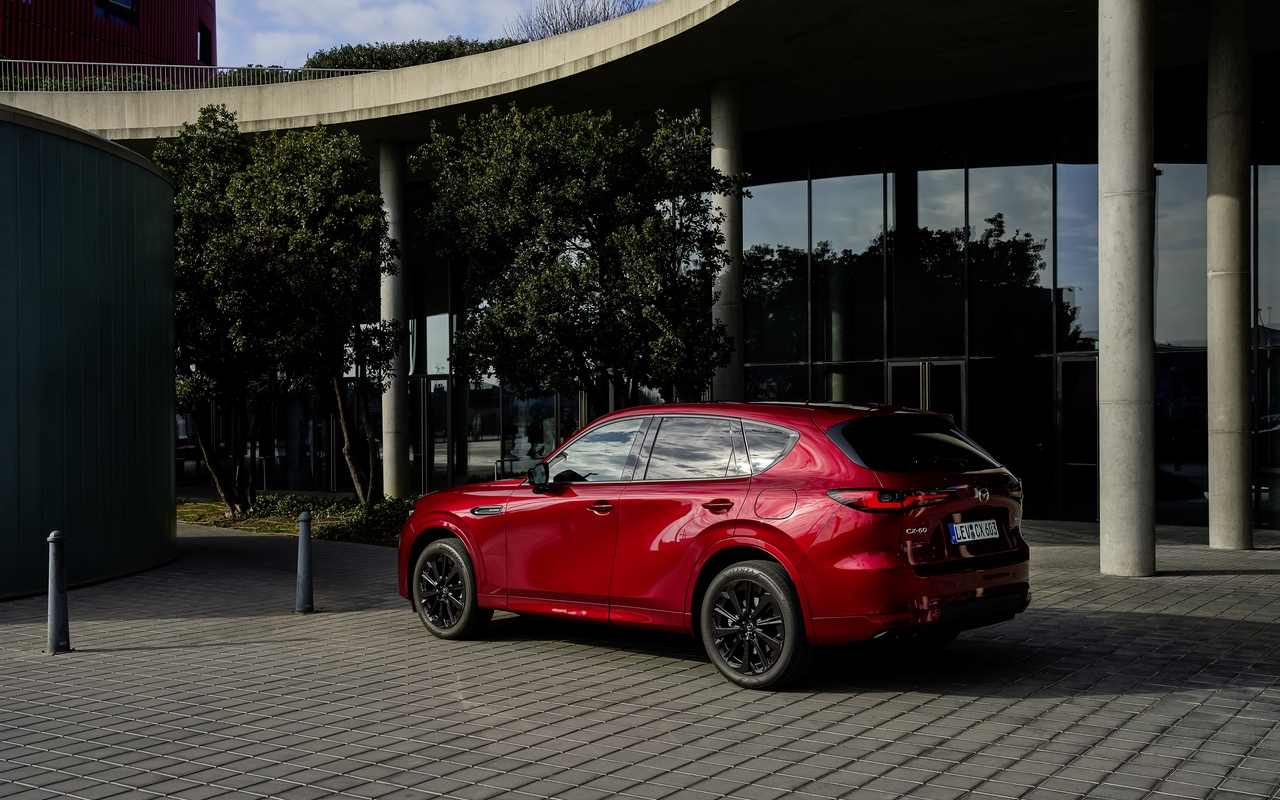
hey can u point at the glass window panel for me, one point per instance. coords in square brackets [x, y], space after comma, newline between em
[690, 448]
[904, 385]
[437, 349]
[480, 430]
[1010, 246]
[1267, 443]
[1182, 437]
[529, 431]
[766, 444]
[777, 383]
[775, 242]
[1077, 305]
[848, 267]
[946, 390]
[1181, 222]
[598, 456]
[849, 383]
[1268, 232]
[1012, 418]
[928, 269]
[1079, 454]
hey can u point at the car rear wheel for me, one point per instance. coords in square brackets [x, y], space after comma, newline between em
[444, 591]
[752, 627]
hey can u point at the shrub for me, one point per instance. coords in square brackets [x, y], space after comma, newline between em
[378, 524]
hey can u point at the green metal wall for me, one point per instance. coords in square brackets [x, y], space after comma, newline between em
[86, 356]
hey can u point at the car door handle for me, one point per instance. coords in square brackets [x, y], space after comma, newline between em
[601, 507]
[718, 506]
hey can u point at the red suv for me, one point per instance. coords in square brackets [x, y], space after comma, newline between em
[762, 529]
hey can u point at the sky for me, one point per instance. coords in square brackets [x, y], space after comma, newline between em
[284, 32]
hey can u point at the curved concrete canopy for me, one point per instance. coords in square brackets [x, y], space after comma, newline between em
[834, 59]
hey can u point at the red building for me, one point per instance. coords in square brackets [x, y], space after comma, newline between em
[109, 31]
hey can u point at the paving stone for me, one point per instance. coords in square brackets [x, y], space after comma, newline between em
[195, 679]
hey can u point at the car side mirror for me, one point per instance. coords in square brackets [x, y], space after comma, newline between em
[539, 477]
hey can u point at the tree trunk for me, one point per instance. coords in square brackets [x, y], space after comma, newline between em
[352, 466]
[215, 471]
[362, 404]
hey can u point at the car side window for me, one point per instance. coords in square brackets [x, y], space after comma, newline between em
[767, 444]
[694, 448]
[599, 455]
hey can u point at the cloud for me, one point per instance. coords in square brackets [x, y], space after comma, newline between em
[284, 32]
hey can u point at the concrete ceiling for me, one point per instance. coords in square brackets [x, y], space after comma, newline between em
[799, 63]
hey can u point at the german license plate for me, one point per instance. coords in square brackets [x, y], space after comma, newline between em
[962, 532]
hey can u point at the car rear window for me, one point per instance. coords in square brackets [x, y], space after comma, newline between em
[910, 443]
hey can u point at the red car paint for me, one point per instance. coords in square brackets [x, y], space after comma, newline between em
[632, 552]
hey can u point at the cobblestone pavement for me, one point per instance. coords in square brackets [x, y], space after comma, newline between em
[195, 680]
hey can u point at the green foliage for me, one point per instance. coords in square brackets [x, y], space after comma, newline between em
[279, 251]
[378, 523]
[391, 55]
[291, 505]
[590, 249]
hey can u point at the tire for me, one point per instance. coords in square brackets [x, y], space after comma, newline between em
[752, 627]
[444, 591]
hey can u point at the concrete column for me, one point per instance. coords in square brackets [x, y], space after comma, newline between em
[1230, 417]
[392, 168]
[1126, 244]
[726, 156]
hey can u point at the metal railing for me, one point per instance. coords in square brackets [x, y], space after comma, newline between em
[71, 76]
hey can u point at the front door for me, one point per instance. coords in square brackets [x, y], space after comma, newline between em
[560, 542]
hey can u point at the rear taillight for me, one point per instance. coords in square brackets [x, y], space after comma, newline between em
[879, 501]
[1015, 489]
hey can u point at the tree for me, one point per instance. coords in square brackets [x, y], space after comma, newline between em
[308, 215]
[279, 251]
[546, 18]
[394, 55]
[590, 251]
[219, 356]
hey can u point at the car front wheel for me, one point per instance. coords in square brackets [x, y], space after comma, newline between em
[752, 627]
[444, 591]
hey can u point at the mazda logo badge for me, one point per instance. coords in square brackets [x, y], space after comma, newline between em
[983, 495]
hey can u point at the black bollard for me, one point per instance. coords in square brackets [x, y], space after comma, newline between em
[303, 602]
[59, 627]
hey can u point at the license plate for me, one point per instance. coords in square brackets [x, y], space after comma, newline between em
[962, 532]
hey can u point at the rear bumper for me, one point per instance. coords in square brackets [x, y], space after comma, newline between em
[960, 614]
[909, 605]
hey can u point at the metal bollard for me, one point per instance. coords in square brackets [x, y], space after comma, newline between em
[59, 640]
[303, 601]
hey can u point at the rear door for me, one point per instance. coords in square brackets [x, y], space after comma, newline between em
[688, 491]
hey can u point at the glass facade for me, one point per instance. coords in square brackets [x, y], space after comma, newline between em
[953, 265]
[945, 259]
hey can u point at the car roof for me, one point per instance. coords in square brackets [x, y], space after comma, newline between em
[823, 415]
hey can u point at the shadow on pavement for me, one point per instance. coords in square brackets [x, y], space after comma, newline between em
[1045, 653]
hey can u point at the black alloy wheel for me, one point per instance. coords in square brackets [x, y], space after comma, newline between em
[752, 627]
[444, 591]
